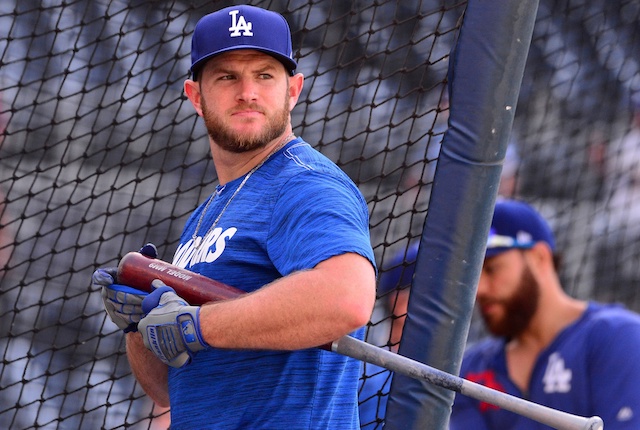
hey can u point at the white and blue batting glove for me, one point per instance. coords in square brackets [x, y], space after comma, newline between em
[123, 304]
[171, 329]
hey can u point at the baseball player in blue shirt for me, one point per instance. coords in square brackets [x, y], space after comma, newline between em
[286, 225]
[572, 355]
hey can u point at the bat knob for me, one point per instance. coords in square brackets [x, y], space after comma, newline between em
[594, 423]
[149, 250]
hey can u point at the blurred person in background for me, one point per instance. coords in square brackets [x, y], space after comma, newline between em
[509, 177]
[7, 235]
[617, 272]
[393, 289]
[577, 356]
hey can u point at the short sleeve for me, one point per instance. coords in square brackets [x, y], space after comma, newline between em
[318, 216]
[614, 372]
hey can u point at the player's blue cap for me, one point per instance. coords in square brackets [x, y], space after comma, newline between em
[517, 225]
[241, 27]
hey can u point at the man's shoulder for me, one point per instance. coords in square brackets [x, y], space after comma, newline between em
[607, 322]
[304, 169]
[300, 156]
[610, 315]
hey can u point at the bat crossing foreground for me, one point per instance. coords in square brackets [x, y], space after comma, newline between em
[138, 271]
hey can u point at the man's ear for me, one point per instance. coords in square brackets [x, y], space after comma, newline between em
[296, 82]
[542, 254]
[192, 91]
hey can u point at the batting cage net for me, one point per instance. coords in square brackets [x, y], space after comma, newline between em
[101, 153]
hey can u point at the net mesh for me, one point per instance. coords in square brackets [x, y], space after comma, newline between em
[100, 152]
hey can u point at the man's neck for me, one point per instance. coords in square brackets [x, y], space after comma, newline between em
[553, 316]
[523, 350]
[232, 165]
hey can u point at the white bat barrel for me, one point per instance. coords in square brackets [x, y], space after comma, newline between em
[560, 420]
[543, 414]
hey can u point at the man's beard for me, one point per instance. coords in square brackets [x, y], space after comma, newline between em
[519, 308]
[237, 142]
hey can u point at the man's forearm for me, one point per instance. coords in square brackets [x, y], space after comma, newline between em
[302, 310]
[150, 372]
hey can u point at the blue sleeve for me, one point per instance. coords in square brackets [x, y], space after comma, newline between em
[615, 373]
[318, 216]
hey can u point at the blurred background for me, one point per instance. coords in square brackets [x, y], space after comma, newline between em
[100, 152]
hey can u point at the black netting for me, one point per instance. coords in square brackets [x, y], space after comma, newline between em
[101, 153]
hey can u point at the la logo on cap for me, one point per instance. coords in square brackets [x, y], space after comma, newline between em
[242, 27]
[239, 24]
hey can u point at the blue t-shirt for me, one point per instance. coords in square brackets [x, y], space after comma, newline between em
[591, 368]
[294, 212]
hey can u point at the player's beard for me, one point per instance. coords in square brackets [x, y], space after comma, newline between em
[233, 141]
[518, 309]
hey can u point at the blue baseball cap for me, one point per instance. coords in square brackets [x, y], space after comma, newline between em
[241, 27]
[516, 225]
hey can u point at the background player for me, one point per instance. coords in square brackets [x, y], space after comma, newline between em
[394, 289]
[579, 357]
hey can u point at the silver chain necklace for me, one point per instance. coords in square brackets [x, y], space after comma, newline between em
[198, 239]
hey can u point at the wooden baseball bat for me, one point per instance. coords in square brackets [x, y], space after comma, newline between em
[138, 271]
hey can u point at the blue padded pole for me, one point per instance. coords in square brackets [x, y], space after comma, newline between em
[485, 73]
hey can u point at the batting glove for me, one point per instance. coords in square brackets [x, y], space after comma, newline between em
[171, 329]
[122, 303]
